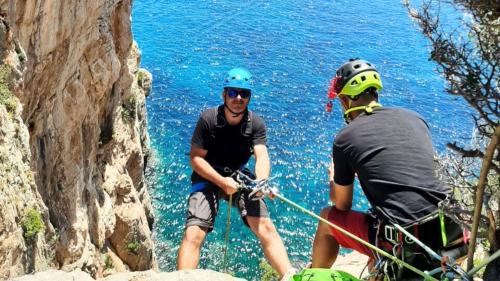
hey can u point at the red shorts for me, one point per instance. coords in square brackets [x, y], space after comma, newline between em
[356, 223]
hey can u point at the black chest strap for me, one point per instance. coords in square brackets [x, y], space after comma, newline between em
[246, 128]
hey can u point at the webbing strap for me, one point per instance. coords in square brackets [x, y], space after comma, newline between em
[367, 108]
[443, 228]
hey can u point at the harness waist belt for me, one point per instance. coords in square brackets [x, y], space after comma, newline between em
[222, 170]
[200, 186]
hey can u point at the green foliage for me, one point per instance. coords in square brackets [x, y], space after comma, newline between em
[133, 247]
[55, 238]
[108, 262]
[470, 67]
[129, 109]
[140, 78]
[268, 273]
[6, 97]
[32, 224]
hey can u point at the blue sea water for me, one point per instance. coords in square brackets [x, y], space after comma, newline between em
[293, 49]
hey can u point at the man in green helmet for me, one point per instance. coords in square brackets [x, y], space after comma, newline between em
[391, 153]
[224, 140]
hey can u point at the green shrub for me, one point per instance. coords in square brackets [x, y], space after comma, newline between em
[108, 262]
[32, 224]
[129, 109]
[140, 78]
[268, 273]
[133, 247]
[6, 97]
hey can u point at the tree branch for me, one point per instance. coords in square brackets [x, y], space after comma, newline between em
[490, 150]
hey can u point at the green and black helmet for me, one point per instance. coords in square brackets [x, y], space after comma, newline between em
[353, 78]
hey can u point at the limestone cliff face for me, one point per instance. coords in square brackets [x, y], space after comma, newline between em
[73, 139]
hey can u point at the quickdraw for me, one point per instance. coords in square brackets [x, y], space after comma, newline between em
[258, 188]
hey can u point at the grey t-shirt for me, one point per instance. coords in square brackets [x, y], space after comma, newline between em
[391, 151]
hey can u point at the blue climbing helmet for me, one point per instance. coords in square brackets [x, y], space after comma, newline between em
[238, 78]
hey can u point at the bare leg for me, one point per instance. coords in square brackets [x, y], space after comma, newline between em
[189, 251]
[325, 247]
[271, 242]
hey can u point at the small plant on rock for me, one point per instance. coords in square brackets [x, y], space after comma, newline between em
[32, 224]
[6, 97]
[140, 78]
[133, 247]
[108, 262]
[267, 272]
[129, 109]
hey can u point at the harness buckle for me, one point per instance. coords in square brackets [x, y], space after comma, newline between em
[390, 234]
[409, 240]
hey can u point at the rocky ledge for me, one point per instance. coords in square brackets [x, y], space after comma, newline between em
[184, 275]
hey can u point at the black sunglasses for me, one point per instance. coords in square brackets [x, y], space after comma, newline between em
[234, 93]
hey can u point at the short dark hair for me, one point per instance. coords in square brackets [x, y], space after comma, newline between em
[369, 93]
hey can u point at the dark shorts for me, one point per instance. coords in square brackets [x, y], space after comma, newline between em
[356, 223]
[203, 206]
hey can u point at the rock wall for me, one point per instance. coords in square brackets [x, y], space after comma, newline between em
[73, 139]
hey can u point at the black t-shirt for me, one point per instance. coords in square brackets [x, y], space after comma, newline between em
[227, 146]
[391, 151]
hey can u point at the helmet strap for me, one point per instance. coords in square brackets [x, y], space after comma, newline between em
[367, 108]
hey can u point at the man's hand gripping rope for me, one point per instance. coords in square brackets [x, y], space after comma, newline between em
[258, 188]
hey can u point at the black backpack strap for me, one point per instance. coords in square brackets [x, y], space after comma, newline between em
[220, 122]
[247, 130]
[217, 118]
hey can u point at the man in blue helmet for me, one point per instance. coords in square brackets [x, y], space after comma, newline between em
[224, 139]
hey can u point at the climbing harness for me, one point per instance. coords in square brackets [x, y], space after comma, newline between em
[406, 243]
[449, 264]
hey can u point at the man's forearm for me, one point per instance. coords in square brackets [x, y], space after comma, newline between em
[206, 171]
[262, 168]
[332, 191]
[341, 195]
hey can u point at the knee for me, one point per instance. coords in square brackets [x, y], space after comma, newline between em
[267, 226]
[194, 236]
[322, 226]
[263, 227]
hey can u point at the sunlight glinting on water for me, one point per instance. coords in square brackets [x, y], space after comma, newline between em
[293, 49]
